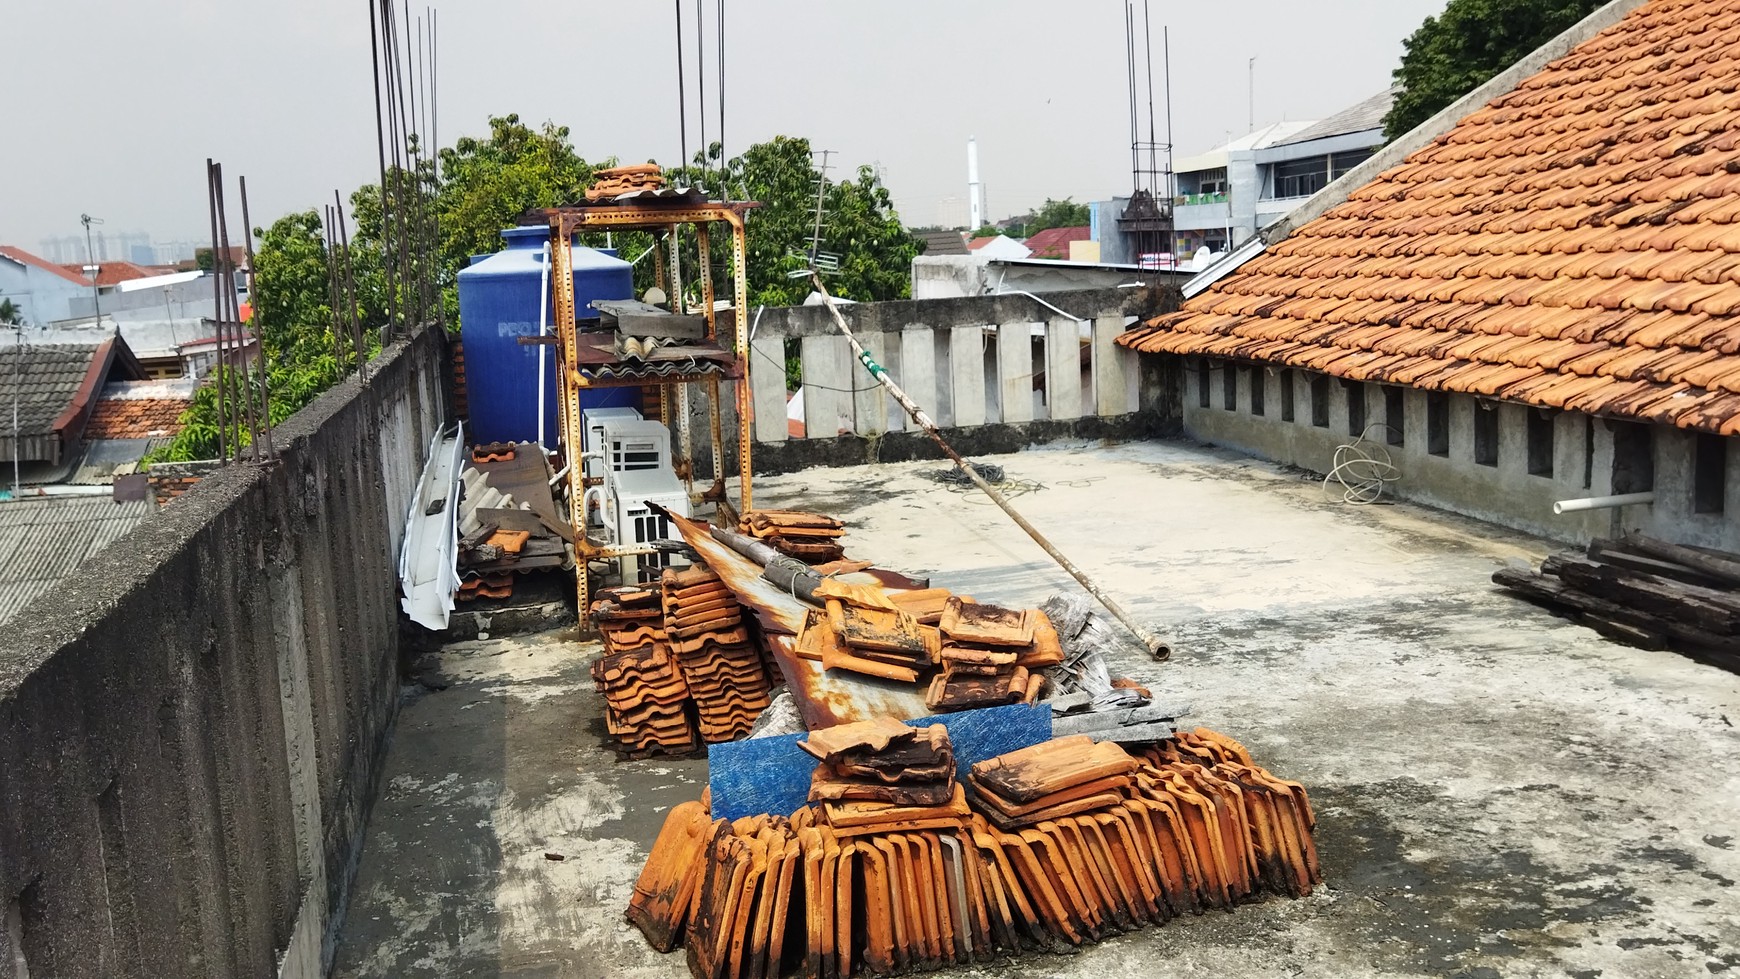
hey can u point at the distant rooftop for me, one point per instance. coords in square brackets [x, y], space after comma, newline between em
[1054, 242]
[1357, 118]
[942, 242]
[46, 537]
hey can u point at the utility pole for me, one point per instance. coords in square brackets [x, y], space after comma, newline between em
[94, 269]
[17, 385]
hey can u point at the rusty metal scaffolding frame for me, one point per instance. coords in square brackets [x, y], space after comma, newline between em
[664, 218]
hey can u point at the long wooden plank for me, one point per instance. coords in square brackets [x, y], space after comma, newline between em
[767, 387]
[869, 400]
[1015, 370]
[967, 372]
[1062, 369]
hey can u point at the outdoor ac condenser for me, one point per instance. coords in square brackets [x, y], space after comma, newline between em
[633, 457]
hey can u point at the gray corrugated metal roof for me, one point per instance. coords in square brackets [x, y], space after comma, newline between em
[1356, 118]
[45, 538]
[46, 382]
[104, 459]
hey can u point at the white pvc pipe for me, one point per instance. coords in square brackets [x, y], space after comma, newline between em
[543, 331]
[1602, 502]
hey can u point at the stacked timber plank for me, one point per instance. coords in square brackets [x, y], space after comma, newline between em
[1645, 592]
[616, 181]
[986, 652]
[810, 537]
[1184, 825]
[723, 669]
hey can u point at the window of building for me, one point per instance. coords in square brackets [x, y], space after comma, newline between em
[1633, 457]
[1257, 392]
[1437, 423]
[1355, 407]
[1212, 182]
[1540, 442]
[1709, 473]
[1229, 387]
[1300, 178]
[1340, 163]
[1486, 433]
[1202, 384]
[1320, 400]
[1286, 395]
[1394, 416]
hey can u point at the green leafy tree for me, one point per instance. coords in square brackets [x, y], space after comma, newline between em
[1057, 214]
[1471, 41]
[988, 231]
[10, 313]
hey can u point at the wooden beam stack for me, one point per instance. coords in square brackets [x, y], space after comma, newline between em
[1183, 825]
[1644, 592]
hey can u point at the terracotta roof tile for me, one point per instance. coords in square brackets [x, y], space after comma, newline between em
[1575, 243]
[135, 418]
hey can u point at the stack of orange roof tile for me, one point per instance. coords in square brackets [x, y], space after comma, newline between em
[1190, 825]
[811, 537]
[723, 669]
[862, 630]
[645, 694]
[494, 452]
[615, 181]
[499, 584]
[985, 653]
[881, 763]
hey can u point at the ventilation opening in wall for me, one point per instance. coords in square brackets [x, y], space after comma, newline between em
[1486, 433]
[1394, 416]
[1229, 387]
[1588, 452]
[1320, 400]
[1355, 407]
[1437, 423]
[1633, 457]
[1259, 376]
[1202, 384]
[1709, 473]
[1286, 395]
[1540, 439]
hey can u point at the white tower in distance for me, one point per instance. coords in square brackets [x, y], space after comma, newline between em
[975, 191]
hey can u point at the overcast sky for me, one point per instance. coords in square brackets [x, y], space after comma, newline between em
[114, 105]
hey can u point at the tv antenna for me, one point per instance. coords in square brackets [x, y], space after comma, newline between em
[94, 269]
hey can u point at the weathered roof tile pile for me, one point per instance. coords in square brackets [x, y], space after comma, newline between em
[1574, 244]
[1190, 823]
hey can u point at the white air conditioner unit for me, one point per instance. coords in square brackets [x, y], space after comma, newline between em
[632, 457]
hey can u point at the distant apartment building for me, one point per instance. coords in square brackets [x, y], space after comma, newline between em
[1225, 195]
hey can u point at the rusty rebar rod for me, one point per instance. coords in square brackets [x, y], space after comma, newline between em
[1154, 644]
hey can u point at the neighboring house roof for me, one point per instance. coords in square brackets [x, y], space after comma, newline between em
[136, 418]
[45, 538]
[23, 257]
[1360, 117]
[111, 273]
[54, 387]
[1054, 242]
[998, 246]
[975, 244]
[942, 242]
[1574, 244]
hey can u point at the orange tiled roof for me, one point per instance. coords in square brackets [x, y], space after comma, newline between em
[1054, 242]
[1574, 244]
[135, 418]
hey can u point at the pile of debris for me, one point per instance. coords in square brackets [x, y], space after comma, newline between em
[813, 538]
[679, 668]
[838, 890]
[507, 520]
[1644, 592]
[616, 181]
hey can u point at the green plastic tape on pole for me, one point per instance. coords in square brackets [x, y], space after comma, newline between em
[871, 365]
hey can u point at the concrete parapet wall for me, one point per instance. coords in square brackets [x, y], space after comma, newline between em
[191, 728]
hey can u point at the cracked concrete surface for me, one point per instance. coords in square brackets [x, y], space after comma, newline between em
[1499, 792]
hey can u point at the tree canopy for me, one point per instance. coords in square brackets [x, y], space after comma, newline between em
[1471, 41]
[1057, 214]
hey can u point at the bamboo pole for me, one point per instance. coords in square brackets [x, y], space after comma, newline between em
[1153, 643]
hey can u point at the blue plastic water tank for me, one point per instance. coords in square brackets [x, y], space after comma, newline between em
[498, 304]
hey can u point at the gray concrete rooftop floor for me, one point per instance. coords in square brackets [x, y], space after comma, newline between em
[1499, 792]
